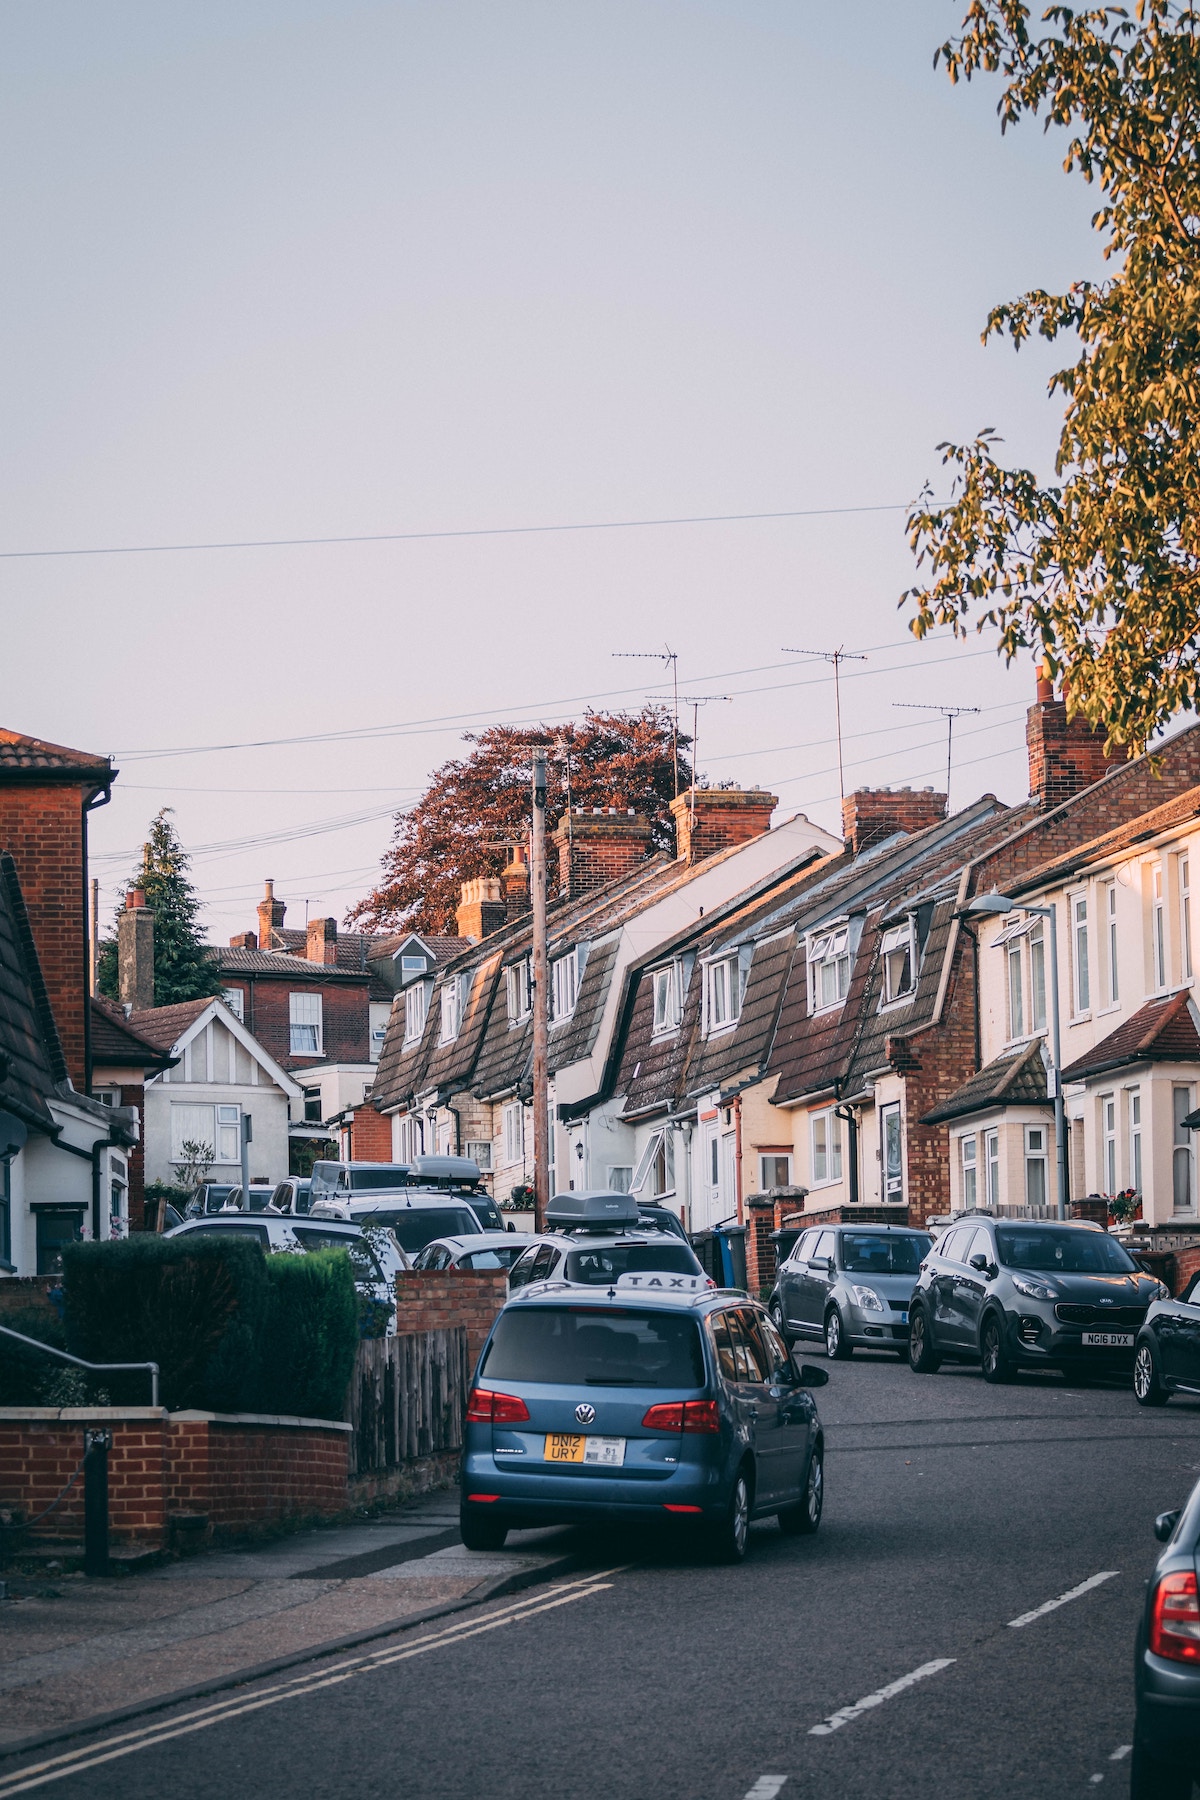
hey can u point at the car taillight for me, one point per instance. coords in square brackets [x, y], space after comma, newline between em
[1175, 1618]
[683, 1415]
[487, 1408]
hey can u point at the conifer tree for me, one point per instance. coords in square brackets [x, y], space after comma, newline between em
[184, 968]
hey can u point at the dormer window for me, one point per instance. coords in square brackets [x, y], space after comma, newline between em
[410, 968]
[828, 968]
[451, 1013]
[666, 998]
[517, 991]
[416, 1003]
[724, 988]
[565, 975]
[899, 963]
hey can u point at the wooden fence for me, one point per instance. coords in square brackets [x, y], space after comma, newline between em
[407, 1398]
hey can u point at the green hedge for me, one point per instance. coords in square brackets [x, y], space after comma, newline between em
[232, 1330]
[28, 1378]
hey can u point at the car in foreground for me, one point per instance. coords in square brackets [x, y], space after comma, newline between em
[849, 1285]
[1028, 1294]
[486, 1250]
[1166, 1732]
[639, 1406]
[375, 1257]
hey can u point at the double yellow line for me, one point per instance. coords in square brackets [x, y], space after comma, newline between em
[75, 1762]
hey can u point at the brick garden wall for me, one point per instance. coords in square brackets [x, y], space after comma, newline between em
[244, 1472]
[435, 1300]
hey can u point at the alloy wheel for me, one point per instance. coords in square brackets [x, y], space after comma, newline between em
[739, 1523]
[814, 1492]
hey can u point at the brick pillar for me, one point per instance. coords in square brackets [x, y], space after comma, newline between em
[712, 819]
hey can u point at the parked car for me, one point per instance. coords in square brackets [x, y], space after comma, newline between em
[1166, 1730]
[375, 1257]
[1028, 1293]
[488, 1250]
[415, 1219]
[340, 1183]
[294, 1195]
[849, 1285]
[662, 1218]
[599, 1236]
[1166, 1356]
[209, 1197]
[683, 1409]
[262, 1196]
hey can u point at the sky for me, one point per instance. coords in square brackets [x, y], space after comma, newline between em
[281, 269]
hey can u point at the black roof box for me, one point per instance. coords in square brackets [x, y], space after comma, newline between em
[598, 1207]
[458, 1169]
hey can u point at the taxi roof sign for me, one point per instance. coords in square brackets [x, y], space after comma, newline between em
[662, 1281]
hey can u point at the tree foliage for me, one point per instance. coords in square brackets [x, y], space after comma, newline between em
[183, 965]
[477, 806]
[1100, 571]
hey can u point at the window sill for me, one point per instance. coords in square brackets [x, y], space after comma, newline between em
[719, 1031]
[818, 1012]
[886, 1006]
[664, 1031]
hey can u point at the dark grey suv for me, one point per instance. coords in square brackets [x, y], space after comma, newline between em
[1027, 1293]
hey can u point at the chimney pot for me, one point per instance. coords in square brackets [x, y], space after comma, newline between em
[712, 819]
[600, 847]
[871, 814]
[481, 909]
[271, 914]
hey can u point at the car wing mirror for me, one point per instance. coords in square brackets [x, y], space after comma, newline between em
[830, 1266]
[1165, 1524]
[983, 1264]
[811, 1376]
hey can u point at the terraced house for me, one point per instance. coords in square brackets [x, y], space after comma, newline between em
[456, 1066]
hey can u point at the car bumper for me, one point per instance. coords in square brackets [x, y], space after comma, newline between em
[1167, 1725]
[1060, 1346]
[535, 1497]
[874, 1330]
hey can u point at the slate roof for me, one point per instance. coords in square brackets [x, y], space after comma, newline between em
[282, 965]
[33, 1065]
[115, 1040]
[354, 948]
[1015, 1079]
[34, 759]
[165, 1025]
[1164, 1030]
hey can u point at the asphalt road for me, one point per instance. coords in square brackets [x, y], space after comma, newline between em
[952, 1509]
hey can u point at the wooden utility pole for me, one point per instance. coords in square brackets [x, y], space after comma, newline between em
[541, 1095]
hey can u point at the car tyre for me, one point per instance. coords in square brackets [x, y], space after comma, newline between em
[837, 1344]
[728, 1540]
[994, 1359]
[1148, 1389]
[1151, 1779]
[923, 1359]
[481, 1533]
[776, 1312]
[804, 1518]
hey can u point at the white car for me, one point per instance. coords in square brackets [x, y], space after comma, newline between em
[415, 1218]
[487, 1250]
[375, 1256]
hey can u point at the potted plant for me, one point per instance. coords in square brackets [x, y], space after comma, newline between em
[1124, 1207]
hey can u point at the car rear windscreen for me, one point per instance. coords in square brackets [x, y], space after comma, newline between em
[1064, 1252]
[362, 1257]
[877, 1253]
[502, 1256]
[371, 1181]
[568, 1347]
[416, 1226]
[602, 1266]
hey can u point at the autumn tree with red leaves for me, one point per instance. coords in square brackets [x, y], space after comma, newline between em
[478, 805]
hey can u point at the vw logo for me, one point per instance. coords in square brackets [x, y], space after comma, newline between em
[585, 1412]
[1105, 1301]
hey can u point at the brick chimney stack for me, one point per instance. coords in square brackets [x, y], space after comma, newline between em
[482, 909]
[135, 953]
[712, 819]
[1065, 755]
[320, 944]
[270, 917]
[871, 814]
[597, 845]
[515, 882]
[245, 940]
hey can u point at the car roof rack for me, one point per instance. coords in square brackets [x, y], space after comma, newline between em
[594, 1209]
[461, 1170]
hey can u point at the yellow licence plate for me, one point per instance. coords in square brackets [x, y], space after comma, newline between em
[564, 1447]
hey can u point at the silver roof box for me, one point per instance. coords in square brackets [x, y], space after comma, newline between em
[459, 1169]
[598, 1209]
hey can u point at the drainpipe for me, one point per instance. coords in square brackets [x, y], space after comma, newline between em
[737, 1122]
[457, 1117]
[851, 1117]
[111, 1142]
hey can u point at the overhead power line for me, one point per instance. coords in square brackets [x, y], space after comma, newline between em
[474, 531]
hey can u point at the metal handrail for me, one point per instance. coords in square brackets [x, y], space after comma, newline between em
[95, 1368]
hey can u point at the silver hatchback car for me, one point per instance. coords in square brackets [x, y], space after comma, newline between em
[850, 1285]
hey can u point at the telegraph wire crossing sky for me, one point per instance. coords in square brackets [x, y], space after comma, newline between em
[423, 357]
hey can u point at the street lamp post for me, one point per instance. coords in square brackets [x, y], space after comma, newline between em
[991, 906]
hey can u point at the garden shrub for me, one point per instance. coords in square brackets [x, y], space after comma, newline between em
[27, 1378]
[311, 1335]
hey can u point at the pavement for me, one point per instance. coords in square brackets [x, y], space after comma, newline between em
[962, 1625]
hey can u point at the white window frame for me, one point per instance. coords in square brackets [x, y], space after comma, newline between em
[518, 991]
[409, 1137]
[774, 1156]
[898, 951]
[991, 1167]
[564, 986]
[1133, 1107]
[890, 1114]
[1158, 929]
[828, 951]
[969, 1164]
[1037, 977]
[305, 1017]
[722, 995]
[513, 1123]
[1183, 876]
[416, 1010]
[191, 1124]
[1081, 972]
[451, 1010]
[235, 1000]
[618, 1177]
[1014, 970]
[1111, 945]
[1109, 1175]
[1183, 1157]
[666, 1000]
[825, 1141]
[1037, 1166]
[479, 1150]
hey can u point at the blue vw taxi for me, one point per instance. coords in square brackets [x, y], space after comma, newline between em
[658, 1399]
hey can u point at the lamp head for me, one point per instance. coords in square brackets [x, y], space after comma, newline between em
[987, 906]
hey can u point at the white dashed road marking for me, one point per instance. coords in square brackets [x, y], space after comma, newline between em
[766, 1787]
[1120, 1753]
[847, 1714]
[1049, 1606]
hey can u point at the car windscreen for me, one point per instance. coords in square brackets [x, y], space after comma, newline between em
[1063, 1252]
[362, 1257]
[878, 1253]
[503, 1256]
[602, 1266]
[568, 1347]
[487, 1212]
[373, 1181]
[215, 1197]
[416, 1226]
